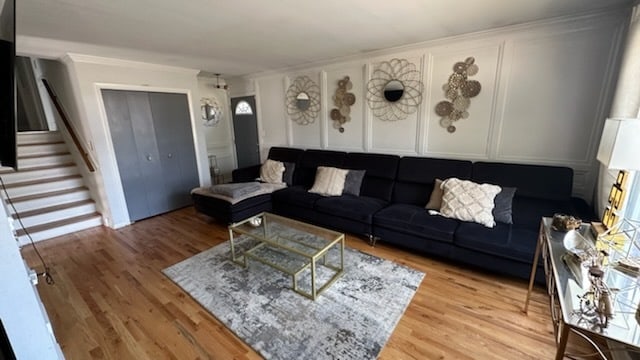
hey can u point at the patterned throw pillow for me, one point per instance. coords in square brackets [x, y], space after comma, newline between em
[271, 172]
[467, 201]
[329, 181]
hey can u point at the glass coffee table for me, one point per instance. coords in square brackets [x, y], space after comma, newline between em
[293, 247]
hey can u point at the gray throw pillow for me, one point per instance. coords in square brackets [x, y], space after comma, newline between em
[353, 182]
[287, 177]
[503, 204]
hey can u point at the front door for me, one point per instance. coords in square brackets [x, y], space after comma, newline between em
[245, 129]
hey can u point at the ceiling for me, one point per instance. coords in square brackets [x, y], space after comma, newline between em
[249, 36]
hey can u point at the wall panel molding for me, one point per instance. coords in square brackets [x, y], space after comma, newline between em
[546, 89]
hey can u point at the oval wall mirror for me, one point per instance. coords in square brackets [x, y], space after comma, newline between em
[211, 111]
[303, 101]
[393, 90]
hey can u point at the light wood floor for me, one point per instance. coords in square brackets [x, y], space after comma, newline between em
[110, 300]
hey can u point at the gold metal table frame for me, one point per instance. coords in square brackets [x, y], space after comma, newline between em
[295, 254]
[621, 336]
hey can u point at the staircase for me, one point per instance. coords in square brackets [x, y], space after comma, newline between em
[47, 191]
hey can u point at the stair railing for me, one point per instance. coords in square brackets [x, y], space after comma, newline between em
[67, 125]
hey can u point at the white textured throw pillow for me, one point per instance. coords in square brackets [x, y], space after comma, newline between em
[329, 181]
[468, 201]
[271, 172]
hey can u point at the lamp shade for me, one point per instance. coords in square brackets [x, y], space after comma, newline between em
[620, 144]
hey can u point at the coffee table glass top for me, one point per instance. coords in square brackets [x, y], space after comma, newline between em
[308, 253]
[573, 281]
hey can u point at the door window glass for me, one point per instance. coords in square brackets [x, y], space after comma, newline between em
[243, 108]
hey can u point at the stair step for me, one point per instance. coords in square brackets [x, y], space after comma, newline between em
[5, 170]
[56, 213]
[42, 149]
[31, 137]
[57, 228]
[25, 163]
[33, 187]
[38, 201]
[40, 172]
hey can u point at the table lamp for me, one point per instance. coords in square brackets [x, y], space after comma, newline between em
[619, 149]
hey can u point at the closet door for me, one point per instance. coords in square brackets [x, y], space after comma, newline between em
[174, 136]
[124, 144]
[153, 143]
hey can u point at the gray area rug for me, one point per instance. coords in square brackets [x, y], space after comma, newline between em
[352, 319]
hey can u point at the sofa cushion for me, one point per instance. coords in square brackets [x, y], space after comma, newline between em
[285, 154]
[329, 181]
[271, 171]
[353, 182]
[305, 173]
[503, 240]
[504, 205]
[435, 200]
[289, 169]
[535, 181]
[527, 212]
[417, 175]
[414, 219]
[380, 173]
[295, 195]
[468, 201]
[359, 208]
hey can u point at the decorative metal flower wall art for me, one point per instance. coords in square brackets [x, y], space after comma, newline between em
[343, 99]
[458, 90]
[303, 100]
[395, 90]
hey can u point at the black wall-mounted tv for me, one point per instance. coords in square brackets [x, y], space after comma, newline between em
[8, 150]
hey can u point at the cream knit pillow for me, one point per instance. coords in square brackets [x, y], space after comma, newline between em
[467, 201]
[271, 172]
[329, 181]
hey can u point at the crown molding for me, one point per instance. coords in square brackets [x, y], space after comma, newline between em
[577, 20]
[99, 60]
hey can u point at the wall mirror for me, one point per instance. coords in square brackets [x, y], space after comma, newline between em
[211, 111]
[303, 100]
[395, 90]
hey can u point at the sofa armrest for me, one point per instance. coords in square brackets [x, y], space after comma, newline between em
[245, 174]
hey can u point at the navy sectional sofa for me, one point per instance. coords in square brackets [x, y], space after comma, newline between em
[391, 205]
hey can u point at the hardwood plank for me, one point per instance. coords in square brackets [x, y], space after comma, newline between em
[111, 301]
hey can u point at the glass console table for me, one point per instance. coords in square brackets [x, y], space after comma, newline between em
[566, 286]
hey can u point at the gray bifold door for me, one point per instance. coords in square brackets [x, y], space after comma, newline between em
[153, 141]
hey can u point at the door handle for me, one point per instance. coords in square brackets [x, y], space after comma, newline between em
[149, 157]
[170, 155]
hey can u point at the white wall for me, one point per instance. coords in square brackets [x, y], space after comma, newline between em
[626, 103]
[546, 89]
[21, 311]
[86, 76]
